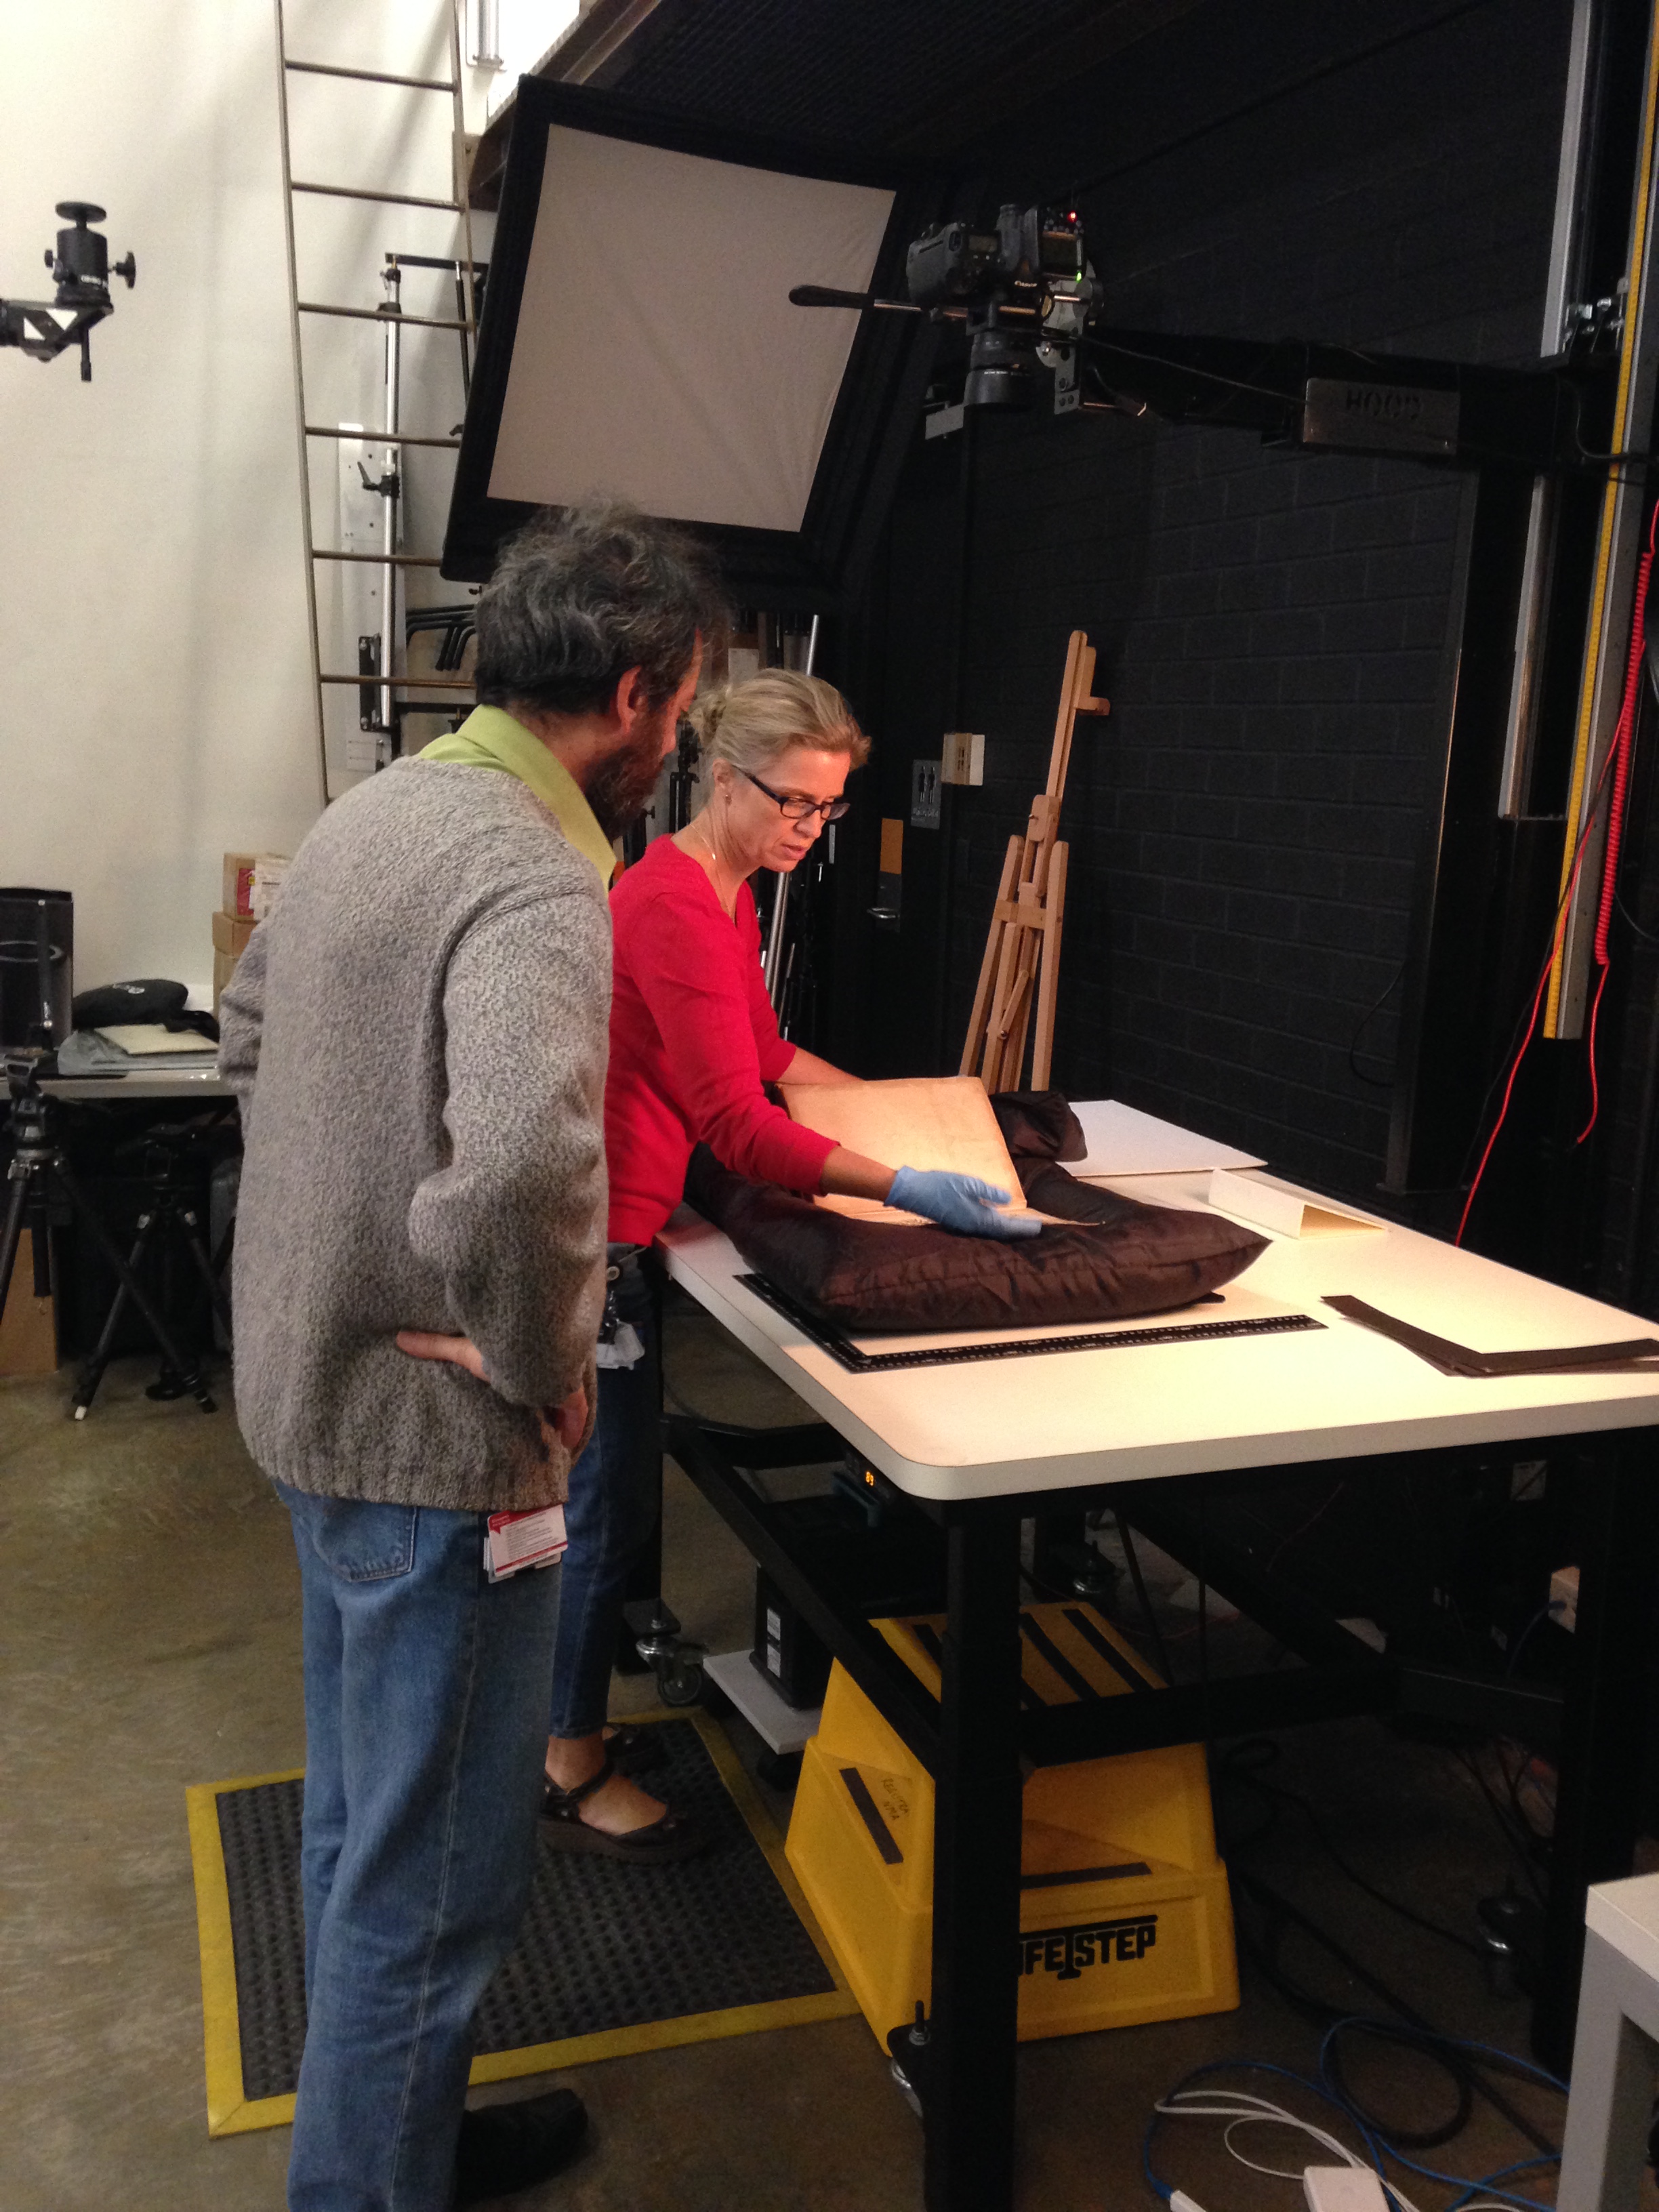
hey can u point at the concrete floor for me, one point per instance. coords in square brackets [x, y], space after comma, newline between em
[149, 1639]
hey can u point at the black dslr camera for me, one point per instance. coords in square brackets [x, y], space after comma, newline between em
[1030, 248]
[1026, 285]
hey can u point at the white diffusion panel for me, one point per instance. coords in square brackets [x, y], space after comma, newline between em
[657, 356]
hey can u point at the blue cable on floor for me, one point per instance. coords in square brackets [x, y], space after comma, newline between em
[1377, 2147]
[1524, 2067]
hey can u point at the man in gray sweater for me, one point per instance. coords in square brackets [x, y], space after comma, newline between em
[417, 1035]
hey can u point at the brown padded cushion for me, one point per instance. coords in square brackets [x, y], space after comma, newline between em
[1112, 1257]
[1038, 1125]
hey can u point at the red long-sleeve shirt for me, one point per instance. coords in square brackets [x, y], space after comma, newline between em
[692, 1040]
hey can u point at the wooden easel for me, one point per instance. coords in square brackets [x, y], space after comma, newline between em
[1022, 953]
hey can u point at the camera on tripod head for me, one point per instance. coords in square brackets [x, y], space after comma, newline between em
[1033, 268]
[36, 971]
[1025, 291]
[957, 266]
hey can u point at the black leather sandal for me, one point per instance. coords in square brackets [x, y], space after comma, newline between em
[676, 1836]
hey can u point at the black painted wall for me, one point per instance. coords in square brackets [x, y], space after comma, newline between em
[1270, 625]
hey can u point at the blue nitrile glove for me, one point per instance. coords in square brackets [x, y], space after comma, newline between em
[959, 1202]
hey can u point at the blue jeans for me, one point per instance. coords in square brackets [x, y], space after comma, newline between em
[424, 1691]
[615, 1497]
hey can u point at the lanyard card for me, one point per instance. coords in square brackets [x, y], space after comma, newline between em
[517, 1540]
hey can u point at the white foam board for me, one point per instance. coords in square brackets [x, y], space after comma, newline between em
[1123, 1141]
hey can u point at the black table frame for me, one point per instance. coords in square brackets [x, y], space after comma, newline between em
[977, 1744]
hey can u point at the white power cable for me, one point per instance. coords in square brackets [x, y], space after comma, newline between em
[1237, 2106]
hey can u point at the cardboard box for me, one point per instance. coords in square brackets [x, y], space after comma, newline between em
[224, 967]
[269, 873]
[236, 894]
[231, 934]
[28, 1338]
[252, 881]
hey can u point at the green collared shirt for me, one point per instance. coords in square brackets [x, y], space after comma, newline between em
[489, 737]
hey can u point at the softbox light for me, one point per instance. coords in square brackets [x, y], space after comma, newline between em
[638, 340]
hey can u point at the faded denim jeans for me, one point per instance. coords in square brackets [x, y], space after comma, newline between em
[426, 1705]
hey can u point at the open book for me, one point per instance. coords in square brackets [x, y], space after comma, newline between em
[921, 1122]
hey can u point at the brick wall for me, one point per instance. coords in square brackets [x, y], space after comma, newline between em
[1270, 624]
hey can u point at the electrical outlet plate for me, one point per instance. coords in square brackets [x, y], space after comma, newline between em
[924, 795]
[963, 758]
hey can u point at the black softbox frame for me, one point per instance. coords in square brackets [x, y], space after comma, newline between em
[816, 568]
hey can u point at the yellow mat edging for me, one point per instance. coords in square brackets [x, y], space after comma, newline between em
[230, 2112]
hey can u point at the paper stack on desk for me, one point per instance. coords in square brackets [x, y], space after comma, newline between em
[143, 1038]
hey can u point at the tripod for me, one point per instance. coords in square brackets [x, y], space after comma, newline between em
[38, 1163]
[168, 1218]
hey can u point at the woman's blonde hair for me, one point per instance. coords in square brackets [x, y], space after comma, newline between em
[753, 724]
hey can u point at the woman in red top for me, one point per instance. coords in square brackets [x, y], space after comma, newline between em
[693, 1040]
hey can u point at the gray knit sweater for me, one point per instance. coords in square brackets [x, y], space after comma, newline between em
[418, 1034]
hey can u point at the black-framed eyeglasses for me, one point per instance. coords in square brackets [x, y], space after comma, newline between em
[800, 810]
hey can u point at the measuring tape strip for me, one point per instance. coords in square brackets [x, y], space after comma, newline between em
[859, 1362]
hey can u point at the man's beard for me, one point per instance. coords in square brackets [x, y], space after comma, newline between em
[619, 788]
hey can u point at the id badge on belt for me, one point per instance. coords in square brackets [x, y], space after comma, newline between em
[513, 1542]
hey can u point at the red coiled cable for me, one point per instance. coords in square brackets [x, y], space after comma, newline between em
[1617, 761]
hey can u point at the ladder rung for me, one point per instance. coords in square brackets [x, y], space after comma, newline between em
[387, 199]
[379, 437]
[375, 315]
[402, 683]
[380, 561]
[371, 76]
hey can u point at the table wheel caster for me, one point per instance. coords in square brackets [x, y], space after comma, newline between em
[676, 1661]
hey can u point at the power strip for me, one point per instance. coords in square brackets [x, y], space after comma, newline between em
[1343, 2189]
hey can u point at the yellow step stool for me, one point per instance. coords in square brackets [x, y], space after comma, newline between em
[1124, 1915]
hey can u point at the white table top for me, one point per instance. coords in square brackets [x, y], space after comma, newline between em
[160, 1082]
[1066, 1419]
[1626, 1915]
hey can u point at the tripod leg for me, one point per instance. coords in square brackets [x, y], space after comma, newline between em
[92, 1374]
[12, 1235]
[190, 1374]
[210, 1283]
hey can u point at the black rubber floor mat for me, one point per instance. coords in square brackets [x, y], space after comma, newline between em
[604, 1947]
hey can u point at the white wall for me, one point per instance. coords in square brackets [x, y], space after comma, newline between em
[155, 700]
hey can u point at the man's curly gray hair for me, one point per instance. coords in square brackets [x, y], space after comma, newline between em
[581, 595]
